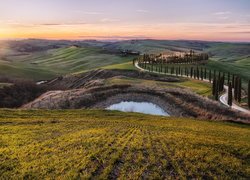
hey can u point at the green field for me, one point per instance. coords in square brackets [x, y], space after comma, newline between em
[225, 57]
[55, 62]
[89, 55]
[201, 88]
[128, 65]
[99, 144]
[72, 144]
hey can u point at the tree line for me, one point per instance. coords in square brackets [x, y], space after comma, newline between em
[182, 58]
[217, 78]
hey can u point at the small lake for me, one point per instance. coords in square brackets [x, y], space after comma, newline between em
[140, 107]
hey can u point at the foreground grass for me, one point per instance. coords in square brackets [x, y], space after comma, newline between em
[104, 144]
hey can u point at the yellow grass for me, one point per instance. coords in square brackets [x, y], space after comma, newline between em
[102, 144]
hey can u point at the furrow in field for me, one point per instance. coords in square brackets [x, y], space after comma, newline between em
[59, 58]
[172, 165]
[99, 159]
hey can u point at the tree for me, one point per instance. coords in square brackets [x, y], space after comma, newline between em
[233, 81]
[192, 72]
[201, 73]
[216, 90]
[197, 73]
[249, 93]
[214, 86]
[210, 75]
[221, 82]
[214, 74]
[228, 78]
[239, 90]
[230, 94]
[236, 88]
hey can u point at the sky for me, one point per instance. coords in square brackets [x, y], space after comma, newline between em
[212, 20]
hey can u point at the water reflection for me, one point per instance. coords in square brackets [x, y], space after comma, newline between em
[140, 107]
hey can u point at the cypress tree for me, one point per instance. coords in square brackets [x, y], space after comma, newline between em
[214, 86]
[230, 94]
[202, 74]
[197, 73]
[210, 75]
[233, 81]
[236, 88]
[192, 72]
[214, 74]
[248, 94]
[239, 90]
[228, 78]
[216, 90]
[205, 75]
[222, 80]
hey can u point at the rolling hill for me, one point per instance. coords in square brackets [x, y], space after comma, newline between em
[46, 62]
[44, 59]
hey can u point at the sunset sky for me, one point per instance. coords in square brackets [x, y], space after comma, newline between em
[220, 20]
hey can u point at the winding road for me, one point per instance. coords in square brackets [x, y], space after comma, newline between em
[223, 97]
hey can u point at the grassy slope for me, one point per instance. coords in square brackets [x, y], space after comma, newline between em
[52, 63]
[84, 143]
[227, 57]
[128, 65]
[201, 88]
[47, 64]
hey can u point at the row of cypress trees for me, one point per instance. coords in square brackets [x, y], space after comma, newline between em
[217, 78]
[234, 90]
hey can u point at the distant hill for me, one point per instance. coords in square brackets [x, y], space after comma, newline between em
[43, 59]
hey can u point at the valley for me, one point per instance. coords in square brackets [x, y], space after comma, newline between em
[70, 124]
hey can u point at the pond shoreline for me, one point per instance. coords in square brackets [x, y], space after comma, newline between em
[138, 97]
[178, 102]
[138, 107]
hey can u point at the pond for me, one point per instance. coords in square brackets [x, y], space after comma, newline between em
[140, 107]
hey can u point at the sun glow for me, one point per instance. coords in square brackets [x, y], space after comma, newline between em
[125, 20]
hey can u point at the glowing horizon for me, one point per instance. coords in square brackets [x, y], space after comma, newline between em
[216, 20]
